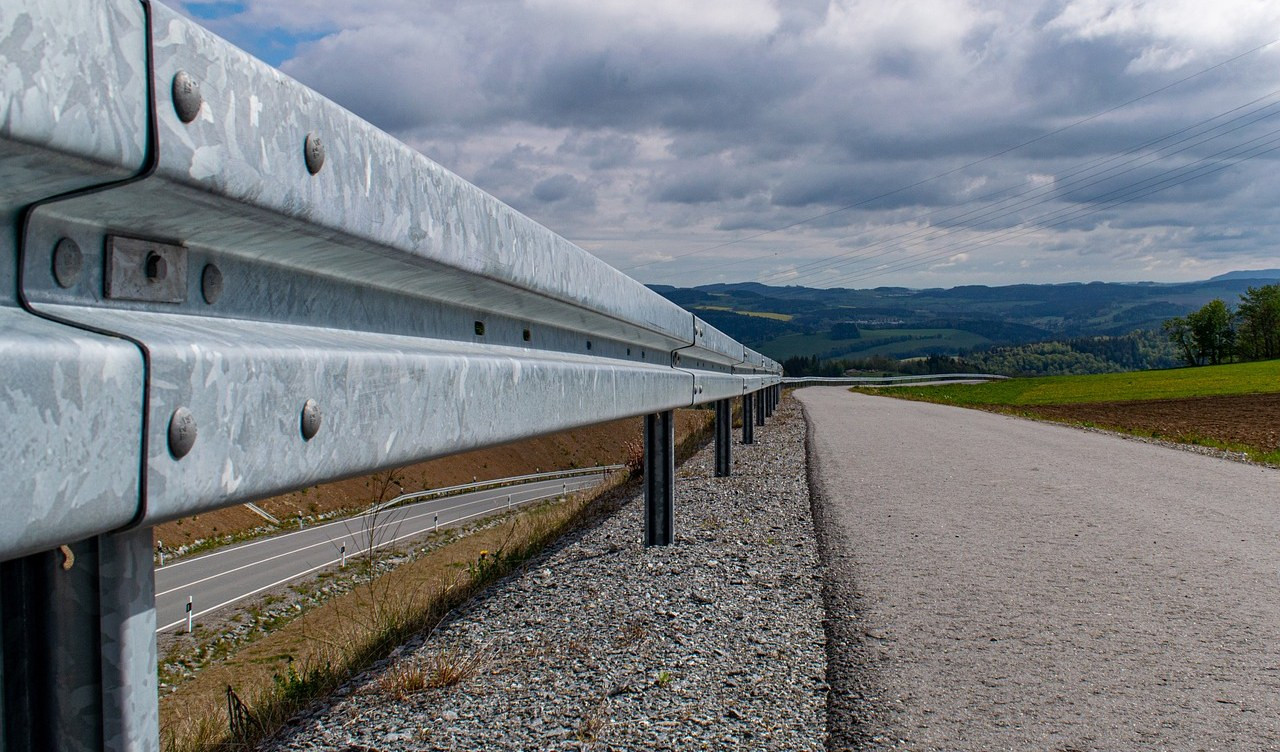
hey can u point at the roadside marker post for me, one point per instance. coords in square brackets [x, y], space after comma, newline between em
[343, 565]
[190, 616]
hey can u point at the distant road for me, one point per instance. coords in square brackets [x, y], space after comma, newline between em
[232, 574]
[1000, 583]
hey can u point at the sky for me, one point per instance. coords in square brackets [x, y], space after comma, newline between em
[829, 143]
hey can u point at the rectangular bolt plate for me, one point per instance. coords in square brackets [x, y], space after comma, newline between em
[145, 270]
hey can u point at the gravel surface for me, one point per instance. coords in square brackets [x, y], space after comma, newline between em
[1004, 584]
[713, 643]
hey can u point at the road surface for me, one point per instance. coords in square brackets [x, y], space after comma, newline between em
[229, 575]
[1002, 584]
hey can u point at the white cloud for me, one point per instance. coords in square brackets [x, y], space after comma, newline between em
[647, 132]
[739, 18]
[1172, 34]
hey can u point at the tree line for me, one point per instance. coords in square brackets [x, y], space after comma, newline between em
[1216, 334]
[1136, 351]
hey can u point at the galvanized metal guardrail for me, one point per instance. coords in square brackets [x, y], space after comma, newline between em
[495, 483]
[797, 382]
[216, 286]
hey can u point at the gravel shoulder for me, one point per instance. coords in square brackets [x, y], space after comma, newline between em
[1004, 584]
[715, 642]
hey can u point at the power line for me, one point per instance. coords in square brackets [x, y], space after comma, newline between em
[1139, 191]
[985, 212]
[952, 171]
[995, 211]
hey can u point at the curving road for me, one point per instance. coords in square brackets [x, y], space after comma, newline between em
[229, 575]
[1003, 584]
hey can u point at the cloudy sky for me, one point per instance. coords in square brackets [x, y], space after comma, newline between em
[852, 143]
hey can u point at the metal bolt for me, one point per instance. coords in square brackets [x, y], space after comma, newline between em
[310, 419]
[182, 432]
[211, 283]
[68, 261]
[186, 96]
[155, 267]
[313, 151]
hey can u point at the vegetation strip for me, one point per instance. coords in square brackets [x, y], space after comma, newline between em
[1239, 378]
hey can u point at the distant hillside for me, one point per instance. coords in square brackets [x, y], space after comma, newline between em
[1253, 274]
[897, 322]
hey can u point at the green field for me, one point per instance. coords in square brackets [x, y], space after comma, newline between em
[1237, 378]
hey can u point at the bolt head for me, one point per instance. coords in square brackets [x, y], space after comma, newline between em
[310, 419]
[313, 152]
[211, 283]
[68, 262]
[186, 96]
[182, 432]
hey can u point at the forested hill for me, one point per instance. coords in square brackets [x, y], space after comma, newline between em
[898, 322]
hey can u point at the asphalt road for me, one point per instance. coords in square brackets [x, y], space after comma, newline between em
[229, 575]
[1002, 584]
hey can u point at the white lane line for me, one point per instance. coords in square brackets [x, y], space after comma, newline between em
[329, 541]
[282, 536]
[224, 604]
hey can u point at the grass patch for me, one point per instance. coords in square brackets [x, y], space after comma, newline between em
[1237, 378]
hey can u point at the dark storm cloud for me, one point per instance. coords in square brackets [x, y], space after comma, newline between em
[603, 152]
[662, 127]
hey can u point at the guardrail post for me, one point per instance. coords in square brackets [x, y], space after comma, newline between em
[79, 647]
[724, 437]
[748, 422]
[767, 395]
[759, 396]
[659, 478]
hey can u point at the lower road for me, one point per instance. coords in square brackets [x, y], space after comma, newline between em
[1002, 584]
[232, 574]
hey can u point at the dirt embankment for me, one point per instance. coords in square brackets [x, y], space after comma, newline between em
[603, 444]
[1251, 420]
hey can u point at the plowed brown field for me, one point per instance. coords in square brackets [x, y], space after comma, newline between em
[1251, 420]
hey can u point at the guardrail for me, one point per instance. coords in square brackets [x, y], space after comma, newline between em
[216, 286]
[796, 382]
[495, 483]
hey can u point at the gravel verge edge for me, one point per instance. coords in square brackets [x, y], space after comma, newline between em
[854, 711]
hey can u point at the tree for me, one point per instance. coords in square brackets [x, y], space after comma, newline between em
[1258, 336]
[1212, 331]
[1179, 332]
